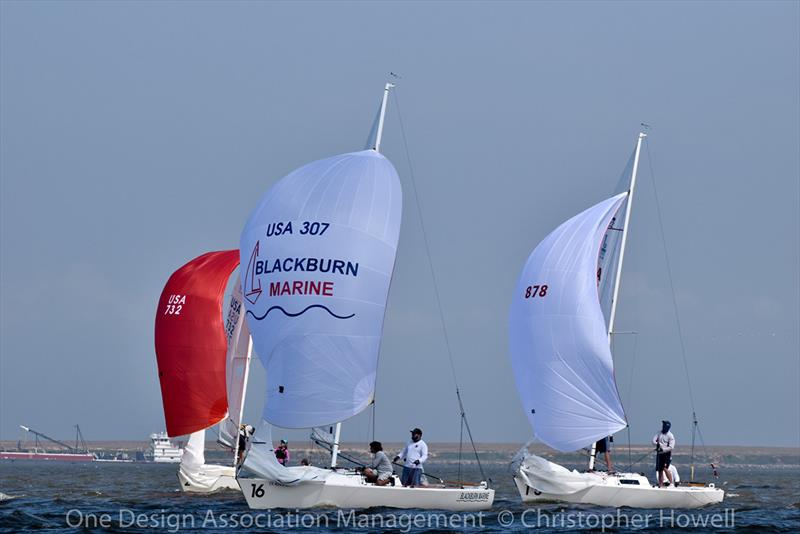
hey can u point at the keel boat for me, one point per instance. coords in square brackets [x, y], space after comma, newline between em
[560, 328]
[203, 365]
[319, 251]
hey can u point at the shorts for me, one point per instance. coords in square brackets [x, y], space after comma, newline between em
[663, 460]
[601, 446]
[384, 476]
[411, 476]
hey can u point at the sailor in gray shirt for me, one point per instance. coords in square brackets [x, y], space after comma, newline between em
[380, 470]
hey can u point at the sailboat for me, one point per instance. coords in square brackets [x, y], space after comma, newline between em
[203, 365]
[320, 250]
[560, 328]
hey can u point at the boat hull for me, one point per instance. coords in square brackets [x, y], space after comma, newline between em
[611, 493]
[348, 491]
[208, 479]
[57, 457]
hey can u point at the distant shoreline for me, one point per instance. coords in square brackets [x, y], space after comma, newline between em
[441, 446]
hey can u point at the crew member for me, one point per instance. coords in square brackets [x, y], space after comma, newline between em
[245, 433]
[282, 452]
[664, 442]
[380, 470]
[676, 479]
[603, 446]
[414, 454]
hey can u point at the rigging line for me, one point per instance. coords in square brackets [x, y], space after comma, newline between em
[669, 275]
[425, 240]
[460, 443]
[630, 462]
[633, 366]
[433, 278]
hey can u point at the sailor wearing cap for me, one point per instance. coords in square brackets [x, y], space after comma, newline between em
[414, 454]
[665, 443]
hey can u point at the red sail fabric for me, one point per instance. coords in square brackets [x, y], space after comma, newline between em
[191, 344]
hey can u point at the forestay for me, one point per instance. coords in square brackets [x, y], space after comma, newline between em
[558, 336]
[319, 252]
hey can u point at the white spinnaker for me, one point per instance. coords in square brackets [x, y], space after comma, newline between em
[238, 365]
[320, 346]
[261, 462]
[193, 458]
[558, 337]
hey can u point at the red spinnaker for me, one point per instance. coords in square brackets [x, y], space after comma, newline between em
[191, 343]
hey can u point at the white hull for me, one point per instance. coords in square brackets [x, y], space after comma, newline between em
[601, 489]
[208, 479]
[351, 491]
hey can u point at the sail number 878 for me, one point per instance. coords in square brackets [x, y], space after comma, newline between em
[536, 291]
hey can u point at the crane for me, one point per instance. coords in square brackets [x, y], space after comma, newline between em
[80, 443]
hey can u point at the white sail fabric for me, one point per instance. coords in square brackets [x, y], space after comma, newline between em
[558, 337]
[197, 476]
[317, 255]
[549, 477]
[260, 461]
[193, 456]
[238, 365]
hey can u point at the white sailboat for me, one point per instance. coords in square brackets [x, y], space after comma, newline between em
[203, 365]
[320, 250]
[561, 355]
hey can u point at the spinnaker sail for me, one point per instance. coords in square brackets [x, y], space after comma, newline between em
[320, 249]
[191, 345]
[558, 335]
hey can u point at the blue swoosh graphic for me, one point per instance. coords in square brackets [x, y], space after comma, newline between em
[288, 314]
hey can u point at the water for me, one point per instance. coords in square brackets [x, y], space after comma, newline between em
[49, 497]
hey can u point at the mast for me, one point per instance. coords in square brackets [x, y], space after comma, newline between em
[613, 314]
[244, 395]
[377, 148]
[335, 450]
[382, 116]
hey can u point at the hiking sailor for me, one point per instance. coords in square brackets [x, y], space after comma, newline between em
[414, 454]
[664, 442]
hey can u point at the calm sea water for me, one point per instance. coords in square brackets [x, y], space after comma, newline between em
[103, 497]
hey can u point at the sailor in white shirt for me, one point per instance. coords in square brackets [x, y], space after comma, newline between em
[674, 472]
[414, 454]
[664, 442]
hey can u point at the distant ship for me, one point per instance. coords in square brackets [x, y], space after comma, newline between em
[162, 450]
[78, 453]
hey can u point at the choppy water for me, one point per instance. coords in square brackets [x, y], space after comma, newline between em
[48, 497]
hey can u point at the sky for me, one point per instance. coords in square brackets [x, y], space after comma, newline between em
[135, 136]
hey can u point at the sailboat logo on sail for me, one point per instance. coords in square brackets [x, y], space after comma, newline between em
[251, 293]
[257, 267]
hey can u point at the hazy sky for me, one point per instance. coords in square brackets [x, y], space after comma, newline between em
[136, 136]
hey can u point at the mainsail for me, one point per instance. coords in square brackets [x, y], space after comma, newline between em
[319, 252]
[191, 344]
[559, 339]
[238, 366]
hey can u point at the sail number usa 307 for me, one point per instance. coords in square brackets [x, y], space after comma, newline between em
[301, 227]
[536, 291]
